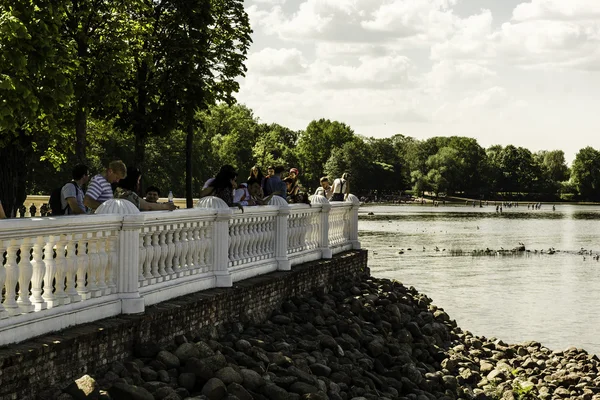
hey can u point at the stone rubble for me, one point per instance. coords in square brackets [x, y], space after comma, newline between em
[362, 340]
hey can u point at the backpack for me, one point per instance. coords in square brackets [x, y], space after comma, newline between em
[55, 201]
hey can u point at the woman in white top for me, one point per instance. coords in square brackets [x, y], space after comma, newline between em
[341, 188]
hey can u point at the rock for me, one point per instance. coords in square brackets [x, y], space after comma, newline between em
[185, 351]
[169, 359]
[85, 387]
[238, 391]
[214, 389]
[164, 393]
[229, 375]
[123, 391]
[320, 369]
[199, 367]
[148, 374]
[274, 392]
[187, 380]
[302, 388]
[251, 379]
[281, 320]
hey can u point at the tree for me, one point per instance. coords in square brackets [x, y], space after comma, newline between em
[585, 173]
[353, 157]
[316, 144]
[102, 36]
[34, 85]
[191, 58]
[275, 145]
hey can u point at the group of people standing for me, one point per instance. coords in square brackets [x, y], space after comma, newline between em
[119, 182]
[259, 188]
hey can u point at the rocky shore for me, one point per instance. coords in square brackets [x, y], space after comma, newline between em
[367, 339]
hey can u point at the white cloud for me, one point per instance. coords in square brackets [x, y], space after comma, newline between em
[557, 10]
[269, 61]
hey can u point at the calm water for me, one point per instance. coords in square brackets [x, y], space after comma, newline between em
[550, 298]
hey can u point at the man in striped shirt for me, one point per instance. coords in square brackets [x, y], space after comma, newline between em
[100, 189]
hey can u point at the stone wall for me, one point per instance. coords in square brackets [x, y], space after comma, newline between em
[34, 366]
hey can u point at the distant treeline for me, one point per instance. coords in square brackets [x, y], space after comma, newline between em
[441, 165]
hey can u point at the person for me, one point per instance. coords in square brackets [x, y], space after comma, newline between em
[223, 186]
[224, 168]
[294, 185]
[274, 185]
[100, 188]
[127, 189]
[256, 175]
[242, 196]
[325, 189]
[2, 214]
[341, 188]
[71, 194]
[270, 173]
[152, 194]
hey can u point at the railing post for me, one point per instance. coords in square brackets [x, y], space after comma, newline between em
[128, 266]
[323, 225]
[281, 233]
[220, 239]
[129, 253]
[354, 221]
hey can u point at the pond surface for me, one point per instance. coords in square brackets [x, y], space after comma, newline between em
[513, 296]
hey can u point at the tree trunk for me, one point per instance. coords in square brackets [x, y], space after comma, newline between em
[189, 144]
[14, 162]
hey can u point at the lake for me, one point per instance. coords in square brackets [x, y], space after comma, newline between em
[513, 296]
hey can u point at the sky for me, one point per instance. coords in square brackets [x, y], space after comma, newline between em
[504, 72]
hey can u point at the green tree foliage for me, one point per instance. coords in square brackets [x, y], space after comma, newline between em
[316, 145]
[34, 85]
[275, 145]
[585, 173]
[355, 158]
[102, 37]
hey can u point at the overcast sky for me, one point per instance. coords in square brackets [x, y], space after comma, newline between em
[502, 71]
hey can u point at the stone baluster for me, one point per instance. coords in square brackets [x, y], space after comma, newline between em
[170, 252]
[186, 263]
[142, 251]
[156, 256]
[39, 269]
[178, 261]
[82, 267]
[149, 257]
[102, 264]
[191, 248]
[49, 273]
[112, 250]
[202, 246]
[25, 274]
[233, 241]
[196, 246]
[164, 252]
[12, 276]
[61, 271]
[323, 234]
[281, 233]
[254, 237]
[128, 272]
[71, 269]
[94, 265]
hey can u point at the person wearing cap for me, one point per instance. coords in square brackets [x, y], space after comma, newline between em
[294, 186]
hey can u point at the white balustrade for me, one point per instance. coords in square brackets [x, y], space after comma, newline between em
[61, 271]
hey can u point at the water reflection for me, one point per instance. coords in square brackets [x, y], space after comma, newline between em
[522, 296]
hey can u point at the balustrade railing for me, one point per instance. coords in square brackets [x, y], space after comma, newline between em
[57, 272]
